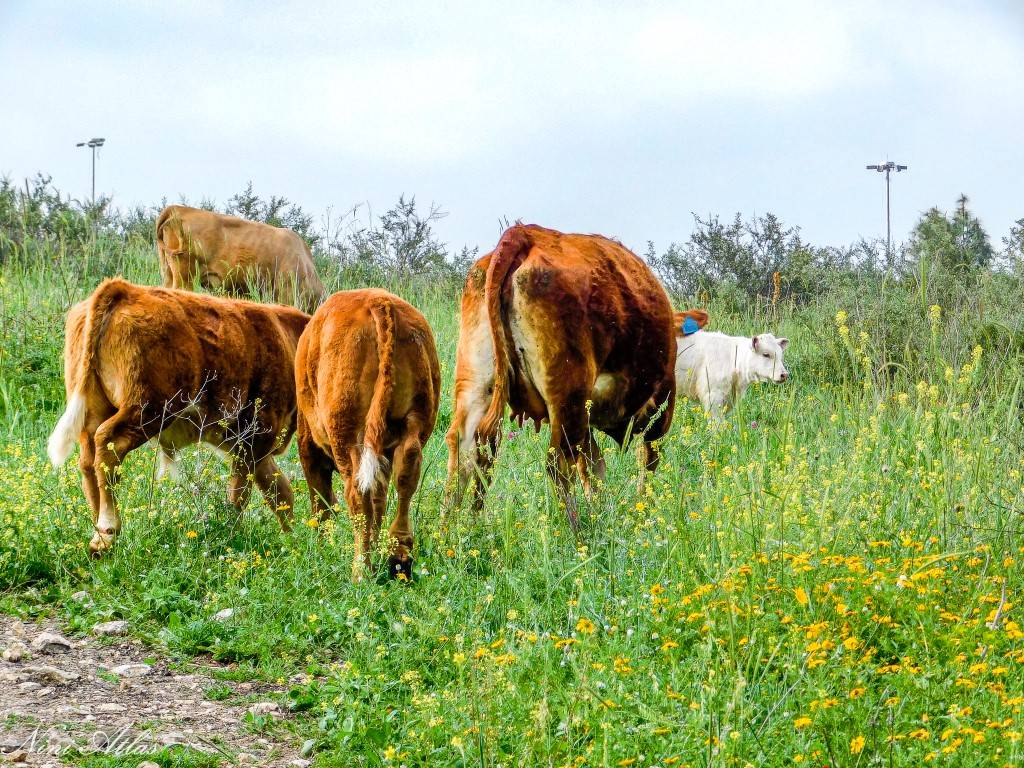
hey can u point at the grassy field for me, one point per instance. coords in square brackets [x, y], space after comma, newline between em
[830, 578]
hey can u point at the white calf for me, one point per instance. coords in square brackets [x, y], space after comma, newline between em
[717, 369]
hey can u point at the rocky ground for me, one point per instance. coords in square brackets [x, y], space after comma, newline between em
[110, 694]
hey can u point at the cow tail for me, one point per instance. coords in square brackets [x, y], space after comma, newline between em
[369, 473]
[69, 427]
[161, 248]
[512, 248]
[161, 222]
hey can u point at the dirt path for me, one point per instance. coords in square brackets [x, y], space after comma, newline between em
[113, 695]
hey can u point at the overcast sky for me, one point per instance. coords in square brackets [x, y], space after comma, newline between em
[610, 117]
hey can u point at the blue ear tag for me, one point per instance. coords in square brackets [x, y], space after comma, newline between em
[690, 326]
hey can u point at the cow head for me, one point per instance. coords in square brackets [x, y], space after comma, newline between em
[767, 365]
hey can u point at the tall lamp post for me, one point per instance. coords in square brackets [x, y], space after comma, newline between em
[888, 167]
[93, 144]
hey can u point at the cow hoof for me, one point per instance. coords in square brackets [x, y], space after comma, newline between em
[99, 546]
[400, 569]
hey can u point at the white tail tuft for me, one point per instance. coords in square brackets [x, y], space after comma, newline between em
[65, 434]
[369, 470]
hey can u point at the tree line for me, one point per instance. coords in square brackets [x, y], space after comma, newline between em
[735, 260]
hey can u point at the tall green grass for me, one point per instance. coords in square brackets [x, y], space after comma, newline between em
[829, 578]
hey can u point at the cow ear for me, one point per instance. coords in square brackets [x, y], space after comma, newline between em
[783, 342]
[755, 342]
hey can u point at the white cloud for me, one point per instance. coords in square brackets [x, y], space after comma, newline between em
[442, 88]
[332, 97]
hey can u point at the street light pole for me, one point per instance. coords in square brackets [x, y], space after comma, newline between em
[888, 167]
[93, 144]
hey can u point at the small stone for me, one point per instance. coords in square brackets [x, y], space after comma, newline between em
[264, 708]
[51, 674]
[110, 628]
[244, 686]
[9, 742]
[148, 764]
[131, 670]
[81, 597]
[29, 685]
[110, 708]
[98, 740]
[224, 614]
[171, 738]
[57, 744]
[300, 762]
[18, 629]
[42, 693]
[245, 757]
[15, 652]
[51, 642]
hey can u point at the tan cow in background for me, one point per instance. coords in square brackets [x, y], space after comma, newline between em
[235, 255]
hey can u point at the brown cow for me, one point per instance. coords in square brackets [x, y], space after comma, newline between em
[143, 363]
[368, 382]
[235, 255]
[570, 329]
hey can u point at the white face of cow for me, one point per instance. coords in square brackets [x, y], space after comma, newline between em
[767, 358]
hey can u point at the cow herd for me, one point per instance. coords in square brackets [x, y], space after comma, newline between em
[572, 330]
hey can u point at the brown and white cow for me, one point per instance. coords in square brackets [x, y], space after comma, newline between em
[368, 383]
[574, 330]
[235, 255]
[144, 363]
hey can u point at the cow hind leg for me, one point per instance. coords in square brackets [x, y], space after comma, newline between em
[470, 459]
[87, 458]
[455, 487]
[167, 464]
[87, 468]
[486, 451]
[240, 482]
[360, 510]
[568, 453]
[178, 270]
[653, 427]
[590, 465]
[276, 490]
[166, 273]
[648, 459]
[319, 469]
[407, 465]
[114, 439]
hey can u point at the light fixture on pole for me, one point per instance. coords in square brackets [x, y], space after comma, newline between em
[93, 144]
[888, 167]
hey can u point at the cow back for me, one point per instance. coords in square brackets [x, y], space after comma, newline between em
[170, 352]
